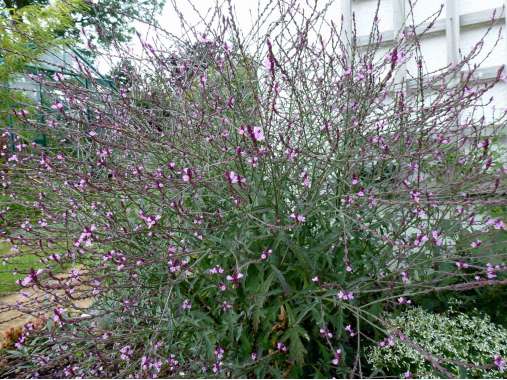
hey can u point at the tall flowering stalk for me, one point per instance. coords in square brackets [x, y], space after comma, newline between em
[252, 205]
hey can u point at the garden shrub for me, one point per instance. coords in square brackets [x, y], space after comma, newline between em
[251, 206]
[456, 338]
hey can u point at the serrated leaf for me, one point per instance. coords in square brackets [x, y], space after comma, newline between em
[297, 350]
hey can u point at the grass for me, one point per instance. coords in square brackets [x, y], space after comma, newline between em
[15, 269]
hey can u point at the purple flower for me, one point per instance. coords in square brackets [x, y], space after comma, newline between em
[345, 295]
[387, 342]
[404, 301]
[126, 353]
[476, 244]
[337, 357]
[186, 175]
[217, 269]
[420, 240]
[298, 218]
[232, 177]
[437, 238]
[58, 106]
[266, 253]
[305, 179]
[500, 363]
[235, 277]
[416, 196]
[281, 347]
[257, 134]
[350, 330]
[219, 353]
[186, 304]
[172, 362]
[269, 64]
[325, 333]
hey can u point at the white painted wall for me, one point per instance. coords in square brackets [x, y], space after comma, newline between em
[473, 16]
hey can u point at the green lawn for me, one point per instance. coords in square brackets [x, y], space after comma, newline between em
[20, 264]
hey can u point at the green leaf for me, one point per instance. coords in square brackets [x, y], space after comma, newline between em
[281, 278]
[297, 350]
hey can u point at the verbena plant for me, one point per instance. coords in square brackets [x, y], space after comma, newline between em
[251, 205]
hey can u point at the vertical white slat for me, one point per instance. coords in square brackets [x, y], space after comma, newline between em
[452, 31]
[399, 16]
[399, 20]
[505, 26]
[347, 22]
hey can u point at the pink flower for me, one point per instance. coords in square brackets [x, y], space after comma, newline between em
[186, 304]
[499, 224]
[306, 179]
[235, 277]
[232, 177]
[269, 64]
[484, 144]
[58, 106]
[58, 77]
[126, 353]
[349, 330]
[291, 154]
[242, 130]
[416, 196]
[324, 332]
[387, 342]
[337, 357]
[298, 218]
[266, 253]
[437, 238]
[476, 244]
[420, 240]
[345, 295]
[404, 301]
[186, 175]
[217, 269]
[172, 362]
[281, 347]
[219, 353]
[258, 134]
